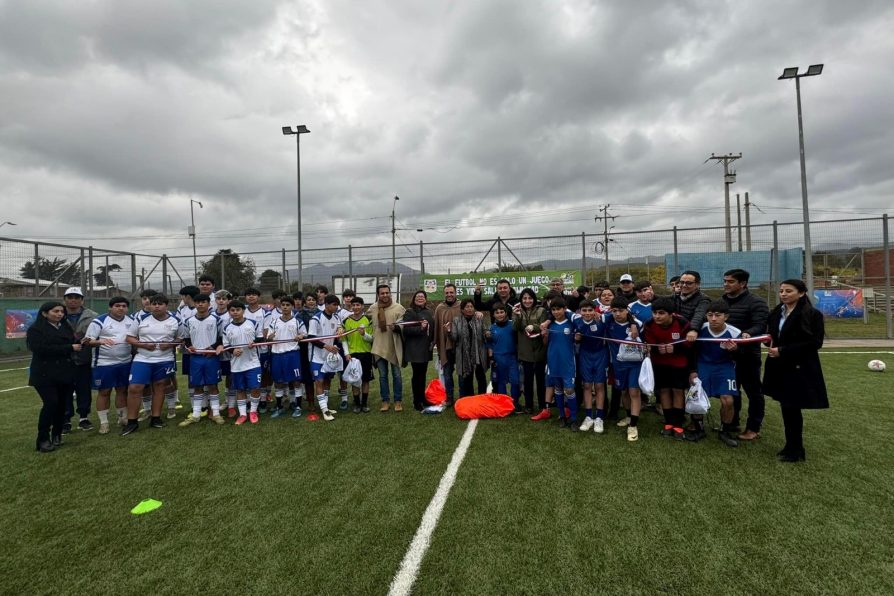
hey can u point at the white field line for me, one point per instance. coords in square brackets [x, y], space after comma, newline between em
[829, 352]
[9, 369]
[403, 581]
[13, 389]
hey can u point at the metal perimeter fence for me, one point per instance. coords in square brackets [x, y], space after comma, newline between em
[851, 257]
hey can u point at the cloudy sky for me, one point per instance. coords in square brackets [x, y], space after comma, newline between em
[486, 118]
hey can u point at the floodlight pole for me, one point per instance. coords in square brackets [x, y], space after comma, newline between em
[298, 131]
[192, 233]
[792, 73]
[393, 235]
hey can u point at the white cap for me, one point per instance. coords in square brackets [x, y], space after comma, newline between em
[74, 291]
[626, 277]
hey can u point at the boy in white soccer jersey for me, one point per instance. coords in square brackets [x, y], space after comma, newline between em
[155, 338]
[222, 300]
[111, 360]
[185, 310]
[343, 313]
[325, 353]
[201, 332]
[285, 363]
[245, 367]
[255, 312]
[717, 370]
[145, 311]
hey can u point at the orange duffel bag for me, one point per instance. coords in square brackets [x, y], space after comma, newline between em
[486, 405]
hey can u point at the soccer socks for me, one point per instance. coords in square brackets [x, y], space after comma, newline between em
[279, 393]
[171, 399]
[214, 402]
[571, 402]
[254, 403]
[231, 398]
[122, 413]
[147, 403]
[600, 413]
[633, 420]
[197, 406]
[103, 416]
[364, 400]
[589, 412]
[560, 404]
[243, 410]
[323, 401]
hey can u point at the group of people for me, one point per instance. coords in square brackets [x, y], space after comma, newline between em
[562, 352]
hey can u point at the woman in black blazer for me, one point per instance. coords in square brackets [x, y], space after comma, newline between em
[52, 344]
[792, 374]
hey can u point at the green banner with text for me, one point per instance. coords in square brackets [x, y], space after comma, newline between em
[466, 283]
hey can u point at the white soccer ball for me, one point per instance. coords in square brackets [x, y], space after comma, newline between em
[876, 365]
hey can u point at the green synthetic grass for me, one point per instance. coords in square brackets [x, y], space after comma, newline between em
[857, 328]
[292, 506]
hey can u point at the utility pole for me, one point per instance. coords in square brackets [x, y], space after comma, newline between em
[739, 220]
[728, 178]
[393, 236]
[747, 223]
[604, 219]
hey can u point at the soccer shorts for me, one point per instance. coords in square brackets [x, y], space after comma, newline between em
[593, 366]
[366, 364]
[718, 380]
[671, 377]
[246, 380]
[316, 371]
[627, 375]
[203, 370]
[112, 376]
[286, 367]
[144, 373]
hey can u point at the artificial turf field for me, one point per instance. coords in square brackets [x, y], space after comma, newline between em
[299, 507]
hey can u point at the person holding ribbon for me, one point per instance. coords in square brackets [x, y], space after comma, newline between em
[418, 334]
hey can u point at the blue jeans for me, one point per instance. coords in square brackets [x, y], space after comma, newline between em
[384, 389]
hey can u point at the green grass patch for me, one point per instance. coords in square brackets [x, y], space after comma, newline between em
[292, 506]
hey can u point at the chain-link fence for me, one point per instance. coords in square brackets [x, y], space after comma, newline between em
[851, 264]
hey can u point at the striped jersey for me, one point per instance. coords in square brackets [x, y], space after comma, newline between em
[242, 334]
[108, 327]
[277, 329]
[203, 334]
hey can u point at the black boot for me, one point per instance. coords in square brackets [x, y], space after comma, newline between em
[45, 446]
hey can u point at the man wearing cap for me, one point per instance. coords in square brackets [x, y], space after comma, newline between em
[79, 318]
[626, 288]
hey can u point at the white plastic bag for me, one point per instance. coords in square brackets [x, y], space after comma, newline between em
[697, 401]
[333, 363]
[353, 373]
[630, 353]
[647, 378]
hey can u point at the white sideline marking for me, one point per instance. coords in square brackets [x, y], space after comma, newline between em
[9, 369]
[403, 581]
[13, 389]
[828, 352]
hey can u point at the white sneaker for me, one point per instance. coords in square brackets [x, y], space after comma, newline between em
[104, 428]
[632, 433]
[586, 425]
[144, 415]
[598, 426]
[328, 415]
[624, 422]
[172, 413]
[122, 421]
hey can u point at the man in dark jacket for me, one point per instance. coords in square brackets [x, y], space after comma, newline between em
[505, 295]
[79, 318]
[692, 305]
[748, 313]
[626, 288]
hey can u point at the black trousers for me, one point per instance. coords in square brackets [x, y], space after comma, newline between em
[83, 384]
[793, 422]
[534, 371]
[417, 382]
[466, 383]
[52, 414]
[748, 378]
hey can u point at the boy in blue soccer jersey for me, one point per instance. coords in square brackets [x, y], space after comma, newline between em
[111, 360]
[627, 360]
[641, 308]
[717, 370]
[560, 366]
[202, 332]
[285, 363]
[592, 364]
[501, 349]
